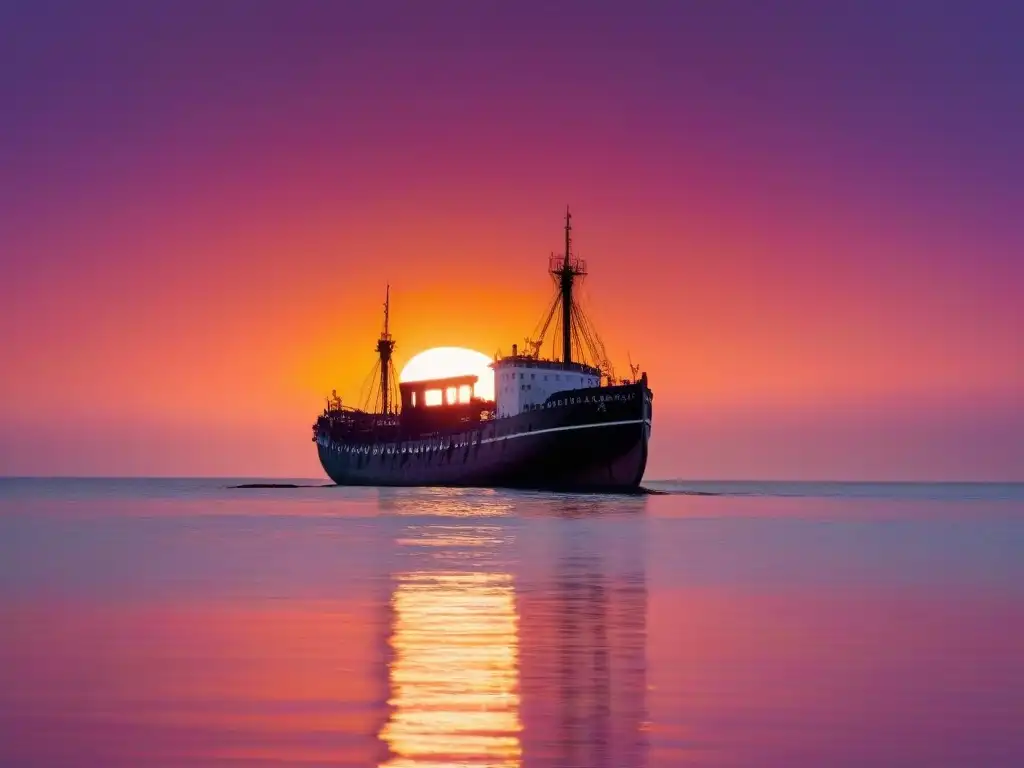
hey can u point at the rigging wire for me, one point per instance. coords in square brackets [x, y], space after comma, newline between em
[585, 343]
[370, 388]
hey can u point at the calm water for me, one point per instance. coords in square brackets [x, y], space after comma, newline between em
[183, 623]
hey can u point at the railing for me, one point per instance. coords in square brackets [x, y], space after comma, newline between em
[577, 265]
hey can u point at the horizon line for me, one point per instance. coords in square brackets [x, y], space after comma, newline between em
[327, 482]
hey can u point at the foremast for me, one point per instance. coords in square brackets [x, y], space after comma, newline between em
[385, 347]
[379, 394]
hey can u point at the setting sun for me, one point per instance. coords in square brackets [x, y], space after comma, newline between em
[442, 362]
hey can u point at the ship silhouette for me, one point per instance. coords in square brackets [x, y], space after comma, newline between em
[561, 423]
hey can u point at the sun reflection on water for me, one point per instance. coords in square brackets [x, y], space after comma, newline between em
[455, 672]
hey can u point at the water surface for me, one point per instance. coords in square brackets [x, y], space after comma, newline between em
[186, 623]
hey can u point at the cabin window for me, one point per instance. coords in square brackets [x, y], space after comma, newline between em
[432, 397]
[413, 399]
[465, 393]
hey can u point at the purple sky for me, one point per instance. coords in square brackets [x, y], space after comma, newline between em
[802, 217]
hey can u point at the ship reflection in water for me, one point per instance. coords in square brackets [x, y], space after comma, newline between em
[487, 667]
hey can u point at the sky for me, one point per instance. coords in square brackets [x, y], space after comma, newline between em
[802, 219]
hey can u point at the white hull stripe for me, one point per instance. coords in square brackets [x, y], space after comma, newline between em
[566, 429]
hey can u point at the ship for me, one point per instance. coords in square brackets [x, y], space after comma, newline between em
[564, 422]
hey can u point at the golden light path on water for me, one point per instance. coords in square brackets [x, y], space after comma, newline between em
[454, 678]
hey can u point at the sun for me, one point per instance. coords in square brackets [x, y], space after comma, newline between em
[442, 362]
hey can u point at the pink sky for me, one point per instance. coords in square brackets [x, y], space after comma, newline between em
[806, 231]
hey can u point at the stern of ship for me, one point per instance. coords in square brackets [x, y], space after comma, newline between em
[589, 440]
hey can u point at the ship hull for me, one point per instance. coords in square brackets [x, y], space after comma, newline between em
[586, 440]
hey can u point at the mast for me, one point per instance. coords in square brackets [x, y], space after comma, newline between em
[566, 268]
[566, 273]
[567, 293]
[385, 346]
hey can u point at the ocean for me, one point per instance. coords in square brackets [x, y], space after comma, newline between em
[167, 622]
